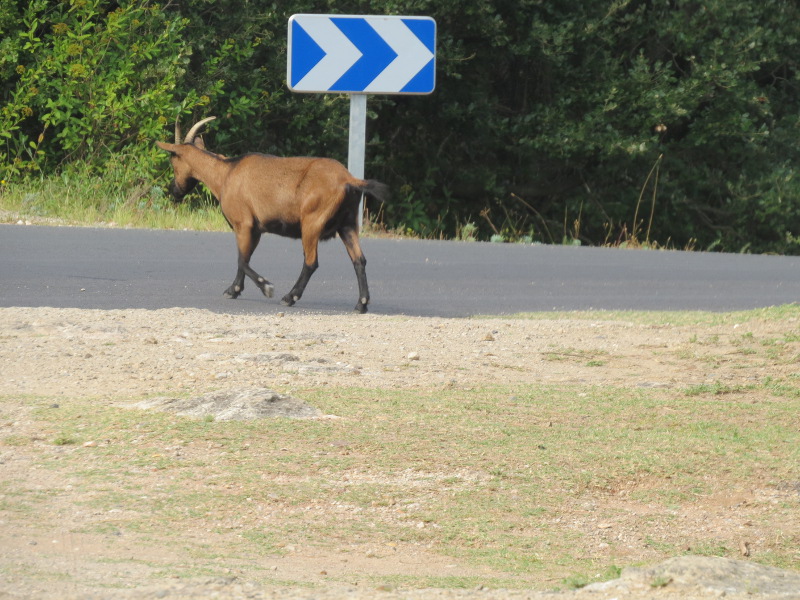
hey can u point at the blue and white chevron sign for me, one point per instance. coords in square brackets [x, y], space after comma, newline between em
[362, 54]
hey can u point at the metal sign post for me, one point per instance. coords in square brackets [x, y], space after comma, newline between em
[357, 148]
[360, 55]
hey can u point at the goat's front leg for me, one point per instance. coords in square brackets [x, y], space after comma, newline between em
[310, 264]
[300, 286]
[247, 239]
[235, 289]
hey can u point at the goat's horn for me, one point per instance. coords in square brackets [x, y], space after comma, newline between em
[195, 128]
[177, 130]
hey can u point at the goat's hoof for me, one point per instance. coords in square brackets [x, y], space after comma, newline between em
[287, 300]
[360, 308]
[233, 292]
[268, 290]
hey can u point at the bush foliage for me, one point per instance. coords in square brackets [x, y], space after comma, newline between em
[664, 122]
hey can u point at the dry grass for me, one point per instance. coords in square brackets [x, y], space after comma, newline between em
[521, 481]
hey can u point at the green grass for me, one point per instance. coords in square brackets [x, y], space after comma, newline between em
[678, 318]
[116, 198]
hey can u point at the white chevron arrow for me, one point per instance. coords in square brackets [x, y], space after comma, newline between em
[340, 55]
[412, 55]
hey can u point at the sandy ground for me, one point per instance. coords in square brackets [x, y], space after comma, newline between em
[136, 352]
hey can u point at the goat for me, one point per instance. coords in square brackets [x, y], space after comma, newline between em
[311, 199]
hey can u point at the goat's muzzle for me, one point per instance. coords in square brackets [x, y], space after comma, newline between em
[179, 191]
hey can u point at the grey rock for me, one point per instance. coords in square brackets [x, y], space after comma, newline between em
[236, 405]
[705, 576]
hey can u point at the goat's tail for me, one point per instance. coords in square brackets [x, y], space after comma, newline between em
[375, 189]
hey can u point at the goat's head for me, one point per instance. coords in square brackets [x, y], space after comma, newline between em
[183, 180]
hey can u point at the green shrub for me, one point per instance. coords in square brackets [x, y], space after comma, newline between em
[92, 80]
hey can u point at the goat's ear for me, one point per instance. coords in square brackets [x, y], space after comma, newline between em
[200, 143]
[171, 148]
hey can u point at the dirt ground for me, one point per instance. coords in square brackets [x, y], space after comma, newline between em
[69, 353]
[66, 352]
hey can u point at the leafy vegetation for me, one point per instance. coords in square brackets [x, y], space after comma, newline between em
[623, 122]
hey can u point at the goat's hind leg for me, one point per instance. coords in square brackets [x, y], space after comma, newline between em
[351, 242]
[247, 240]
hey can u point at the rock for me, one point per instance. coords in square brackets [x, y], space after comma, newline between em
[706, 576]
[266, 357]
[236, 405]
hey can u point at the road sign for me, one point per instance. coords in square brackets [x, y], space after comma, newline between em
[362, 54]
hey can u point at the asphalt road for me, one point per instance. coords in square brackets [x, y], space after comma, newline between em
[115, 269]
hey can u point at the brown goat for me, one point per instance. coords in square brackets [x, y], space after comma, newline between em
[311, 199]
